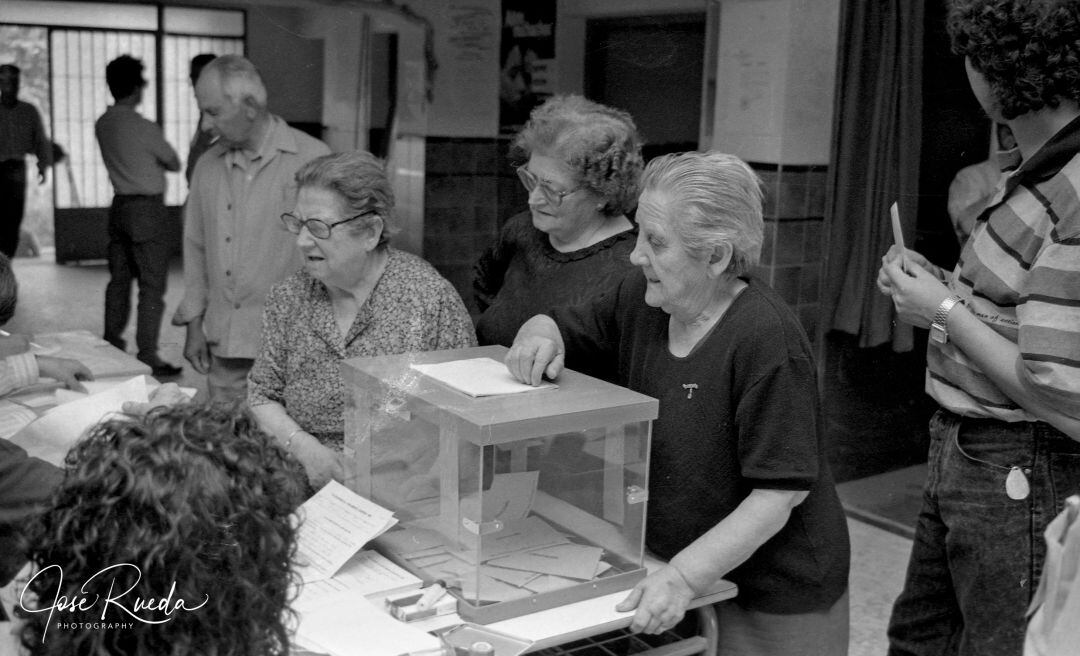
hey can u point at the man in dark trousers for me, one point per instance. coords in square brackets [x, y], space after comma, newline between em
[21, 132]
[136, 156]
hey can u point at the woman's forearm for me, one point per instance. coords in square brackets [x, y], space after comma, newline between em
[735, 538]
[1000, 360]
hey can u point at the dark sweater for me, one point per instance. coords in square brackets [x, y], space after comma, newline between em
[522, 275]
[740, 412]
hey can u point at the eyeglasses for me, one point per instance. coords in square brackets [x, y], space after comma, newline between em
[529, 179]
[317, 227]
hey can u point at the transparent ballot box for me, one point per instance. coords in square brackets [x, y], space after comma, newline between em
[518, 502]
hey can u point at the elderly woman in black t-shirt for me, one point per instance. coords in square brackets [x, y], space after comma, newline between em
[739, 485]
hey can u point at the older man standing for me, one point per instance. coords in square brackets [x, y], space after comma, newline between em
[21, 132]
[234, 248]
[136, 156]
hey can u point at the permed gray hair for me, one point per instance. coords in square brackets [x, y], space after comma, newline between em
[719, 200]
[240, 80]
[600, 143]
[360, 178]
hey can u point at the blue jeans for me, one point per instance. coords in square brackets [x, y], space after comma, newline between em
[978, 554]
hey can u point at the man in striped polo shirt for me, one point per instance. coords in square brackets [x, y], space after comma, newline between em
[1003, 359]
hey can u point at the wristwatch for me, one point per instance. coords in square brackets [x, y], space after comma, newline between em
[939, 331]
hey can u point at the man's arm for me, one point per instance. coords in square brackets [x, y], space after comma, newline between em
[42, 147]
[165, 154]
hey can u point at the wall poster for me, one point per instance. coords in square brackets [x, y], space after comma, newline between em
[527, 58]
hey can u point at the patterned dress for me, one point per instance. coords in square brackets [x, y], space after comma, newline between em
[412, 308]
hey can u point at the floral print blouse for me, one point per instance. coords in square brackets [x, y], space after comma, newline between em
[412, 308]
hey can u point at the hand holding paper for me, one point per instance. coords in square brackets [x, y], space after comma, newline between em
[898, 236]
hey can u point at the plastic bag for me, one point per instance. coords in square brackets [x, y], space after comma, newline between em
[1054, 625]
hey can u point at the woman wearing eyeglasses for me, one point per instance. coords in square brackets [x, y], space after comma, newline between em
[355, 296]
[582, 165]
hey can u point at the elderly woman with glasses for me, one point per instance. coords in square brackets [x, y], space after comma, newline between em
[355, 296]
[582, 164]
[739, 486]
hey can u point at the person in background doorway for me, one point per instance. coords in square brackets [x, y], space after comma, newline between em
[234, 246]
[974, 186]
[203, 138]
[21, 133]
[1003, 359]
[136, 156]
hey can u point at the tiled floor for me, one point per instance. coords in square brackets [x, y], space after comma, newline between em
[54, 298]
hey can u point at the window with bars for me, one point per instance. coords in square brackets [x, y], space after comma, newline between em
[80, 96]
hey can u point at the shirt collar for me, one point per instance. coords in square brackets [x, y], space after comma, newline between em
[1048, 160]
[279, 138]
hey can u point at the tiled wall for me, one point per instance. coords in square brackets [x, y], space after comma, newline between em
[791, 257]
[470, 190]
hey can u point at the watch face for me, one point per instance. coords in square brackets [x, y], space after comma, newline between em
[938, 334]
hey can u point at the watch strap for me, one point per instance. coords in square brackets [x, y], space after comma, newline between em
[941, 316]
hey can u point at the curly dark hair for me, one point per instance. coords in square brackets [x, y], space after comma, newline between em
[195, 497]
[1028, 50]
[601, 143]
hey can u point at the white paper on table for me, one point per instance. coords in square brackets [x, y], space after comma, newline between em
[347, 623]
[53, 434]
[98, 386]
[13, 418]
[477, 377]
[336, 523]
[367, 573]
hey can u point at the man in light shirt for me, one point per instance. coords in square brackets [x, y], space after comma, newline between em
[234, 246]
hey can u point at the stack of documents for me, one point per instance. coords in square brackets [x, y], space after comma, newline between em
[336, 618]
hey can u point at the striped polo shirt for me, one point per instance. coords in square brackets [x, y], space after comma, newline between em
[1019, 273]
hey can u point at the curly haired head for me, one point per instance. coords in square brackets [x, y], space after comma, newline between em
[601, 143]
[195, 496]
[1027, 50]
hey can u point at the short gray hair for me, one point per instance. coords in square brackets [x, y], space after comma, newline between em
[719, 201]
[360, 179]
[240, 80]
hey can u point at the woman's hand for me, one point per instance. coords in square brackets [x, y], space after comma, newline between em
[660, 598]
[537, 351]
[321, 463]
[916, 293]
[68, 372]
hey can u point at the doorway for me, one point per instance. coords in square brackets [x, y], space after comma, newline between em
[650, 66]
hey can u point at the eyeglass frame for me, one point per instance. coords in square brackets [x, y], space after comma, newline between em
[304, 223]
[531, 181]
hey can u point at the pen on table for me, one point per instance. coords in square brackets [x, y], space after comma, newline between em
[4, 333]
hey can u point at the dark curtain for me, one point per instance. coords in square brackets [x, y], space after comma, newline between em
[875, 154]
